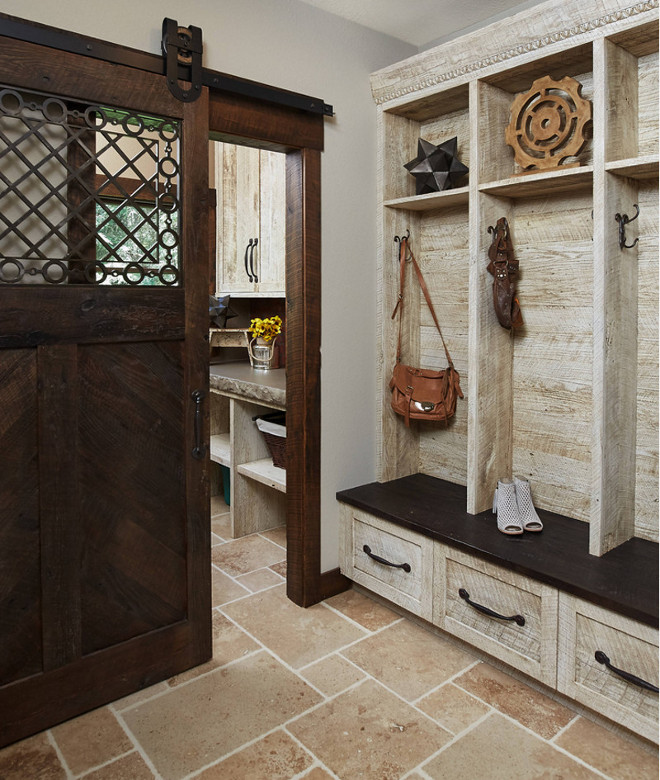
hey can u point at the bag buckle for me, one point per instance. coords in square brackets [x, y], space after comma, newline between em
[424, 406]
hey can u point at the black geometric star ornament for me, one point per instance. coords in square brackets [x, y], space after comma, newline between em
[219, 311]
[436, 168]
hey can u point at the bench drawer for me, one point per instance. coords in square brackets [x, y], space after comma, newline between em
[584, 630]
[409, 581]
[469, 590]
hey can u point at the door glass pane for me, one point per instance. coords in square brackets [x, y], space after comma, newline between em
[88, 194]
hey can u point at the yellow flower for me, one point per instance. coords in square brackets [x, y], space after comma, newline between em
[266, 329]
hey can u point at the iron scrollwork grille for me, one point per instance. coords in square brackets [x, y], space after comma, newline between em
[88, 194]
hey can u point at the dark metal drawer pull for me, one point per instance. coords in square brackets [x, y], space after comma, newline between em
[404, 566]
[519, 619]
[603, 659]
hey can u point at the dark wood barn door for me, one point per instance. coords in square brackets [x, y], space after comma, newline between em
[104, 534]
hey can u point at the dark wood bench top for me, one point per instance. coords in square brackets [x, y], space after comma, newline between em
[624, 580]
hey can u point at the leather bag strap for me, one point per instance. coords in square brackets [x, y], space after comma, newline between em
[405, 253]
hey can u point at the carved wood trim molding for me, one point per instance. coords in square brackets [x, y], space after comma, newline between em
[434, 79]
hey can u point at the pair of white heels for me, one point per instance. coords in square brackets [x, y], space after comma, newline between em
[513, 505]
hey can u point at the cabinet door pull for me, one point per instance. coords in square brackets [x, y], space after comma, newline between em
[247, 270]
[519, 619]
[404, 566]
[255, 241]
[199, 450]
[631, 678]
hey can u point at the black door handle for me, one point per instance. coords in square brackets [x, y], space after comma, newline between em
[247, 270]
[519, 619]
[255, 241]
[199, 450]
[631, 678]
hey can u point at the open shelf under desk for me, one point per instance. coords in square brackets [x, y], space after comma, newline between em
[624, 580]
[265, 472]
[220, 449]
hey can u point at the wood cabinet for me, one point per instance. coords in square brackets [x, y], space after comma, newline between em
[589, 636]
[367, 540]
[533, 626]
[468, 590]
[250, 220]
[570, 401]
[257, 487]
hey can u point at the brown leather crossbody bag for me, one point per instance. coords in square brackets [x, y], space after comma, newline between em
[418, 393]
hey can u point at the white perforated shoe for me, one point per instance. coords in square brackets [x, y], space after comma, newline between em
[506, 508]
[530, 520]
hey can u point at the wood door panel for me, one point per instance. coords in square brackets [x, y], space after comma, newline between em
[99, 678]
[133, 575]
[33, 315]
[85, 78]
[104, 508]
[20, 564]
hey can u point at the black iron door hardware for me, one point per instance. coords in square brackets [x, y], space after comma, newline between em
[182, 46]
[623, 220]
[247, 250]
[519, 619]
[249, 260]
[631, 678]
[404, 566]
[199, 450]
[255, 241]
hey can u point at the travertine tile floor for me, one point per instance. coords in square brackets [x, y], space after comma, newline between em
[347, 689]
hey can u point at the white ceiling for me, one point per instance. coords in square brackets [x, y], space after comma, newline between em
[419, 22]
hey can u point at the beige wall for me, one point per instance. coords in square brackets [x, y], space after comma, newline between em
[294, 46]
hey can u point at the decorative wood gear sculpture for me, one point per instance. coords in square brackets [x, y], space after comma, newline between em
[548, 124]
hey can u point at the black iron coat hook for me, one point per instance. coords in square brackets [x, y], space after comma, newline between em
[402, 240]
[623, 220]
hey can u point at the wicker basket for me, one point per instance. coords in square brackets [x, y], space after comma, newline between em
[273, 429]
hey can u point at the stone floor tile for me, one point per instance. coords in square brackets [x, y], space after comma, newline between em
[318, 773]
[609, 753]
[332, 675]
[130, 767]
[538, 712]
[498, 749]
[408, 659]
[298, 636]
[31, 759]
[453, 708]
[139, 696]
[224, 588]
[246, 554]
[279, 568]
[221, 526]
[363, 610]
[218, 505]
[229, 644]
[368, 732]
[275, 757]
[276, 535]
[91, 739]
[259, 580]
[196, 724]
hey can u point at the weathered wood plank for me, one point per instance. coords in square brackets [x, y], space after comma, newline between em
[20, 568]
